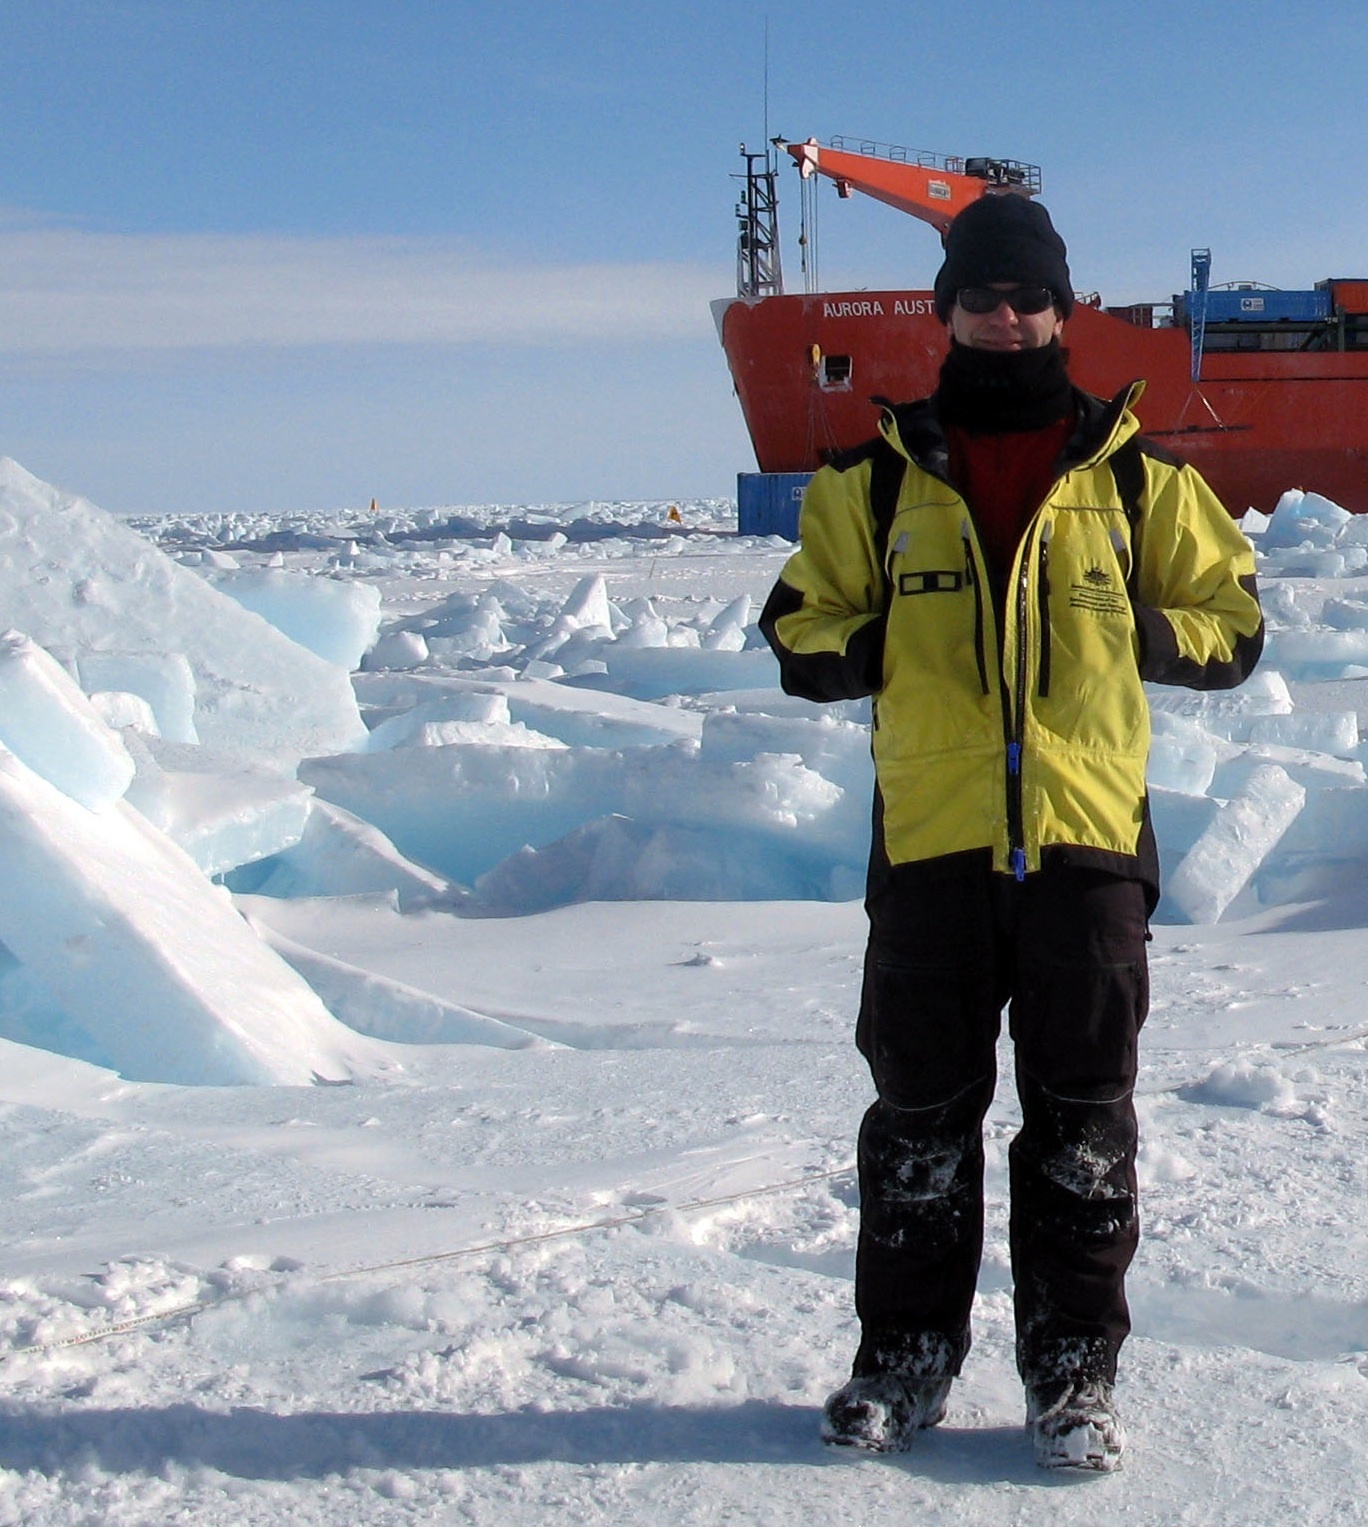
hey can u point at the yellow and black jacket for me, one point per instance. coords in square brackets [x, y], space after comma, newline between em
[1016, 724]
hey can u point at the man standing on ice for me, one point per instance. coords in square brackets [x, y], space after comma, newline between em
[1000, 569]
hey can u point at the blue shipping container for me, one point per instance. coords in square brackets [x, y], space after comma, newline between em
[1264, 307]
[767, 503]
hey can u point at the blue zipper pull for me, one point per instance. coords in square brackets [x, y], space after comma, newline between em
[1019, 863]
[1014, 758]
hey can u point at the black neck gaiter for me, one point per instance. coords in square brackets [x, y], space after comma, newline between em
[991, 392]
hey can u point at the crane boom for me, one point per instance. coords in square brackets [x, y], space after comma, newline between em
[930, 187]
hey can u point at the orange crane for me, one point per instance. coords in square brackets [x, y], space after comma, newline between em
[931, 187]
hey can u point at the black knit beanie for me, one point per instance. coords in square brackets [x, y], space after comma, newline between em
[1003, 238]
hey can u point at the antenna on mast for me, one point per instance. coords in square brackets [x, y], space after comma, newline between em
[766, 90]
[758, 272]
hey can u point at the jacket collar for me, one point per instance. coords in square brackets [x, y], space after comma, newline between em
[914, 430]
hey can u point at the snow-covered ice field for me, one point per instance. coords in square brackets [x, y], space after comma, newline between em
[431, 1097]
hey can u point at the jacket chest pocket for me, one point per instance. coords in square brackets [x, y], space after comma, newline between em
[939, 616]
[1086, 675]
[1091, 568]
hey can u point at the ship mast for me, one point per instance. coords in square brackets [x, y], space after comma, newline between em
[758, 269]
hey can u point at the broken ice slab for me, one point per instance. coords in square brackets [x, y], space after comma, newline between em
[340, 855]
[220, 810]
[47, 721]
[1304, 519]
[164, 679]
[1317, 653]
[150, 958]
[335, 619]
[650, 673]
[77, 581]
[1264, 693]
[1184, 756]
[1241, 834]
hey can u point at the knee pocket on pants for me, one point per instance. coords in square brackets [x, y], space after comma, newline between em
[1076, 1027]
[927, 1031]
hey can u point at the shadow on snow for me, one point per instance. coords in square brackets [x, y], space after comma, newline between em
[248, 1443]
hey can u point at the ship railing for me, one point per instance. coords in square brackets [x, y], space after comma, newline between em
[1012, 172]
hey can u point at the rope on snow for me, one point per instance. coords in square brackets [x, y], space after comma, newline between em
[510, 1243]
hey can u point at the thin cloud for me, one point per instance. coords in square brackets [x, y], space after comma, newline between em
[65, 290]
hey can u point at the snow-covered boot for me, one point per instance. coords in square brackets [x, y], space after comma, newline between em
[1074, 1425]
[882, 1412]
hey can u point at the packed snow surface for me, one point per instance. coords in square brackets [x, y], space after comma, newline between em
[560, 894]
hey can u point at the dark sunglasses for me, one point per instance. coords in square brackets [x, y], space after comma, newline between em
[1025, 301]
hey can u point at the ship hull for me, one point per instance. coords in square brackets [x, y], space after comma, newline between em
[1259, 422]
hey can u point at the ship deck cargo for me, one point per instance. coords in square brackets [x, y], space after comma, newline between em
[1348, 296]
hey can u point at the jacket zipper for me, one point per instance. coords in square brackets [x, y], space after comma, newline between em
[1043, 607]
[1014, 722]
[976, 583]
[1011, 710]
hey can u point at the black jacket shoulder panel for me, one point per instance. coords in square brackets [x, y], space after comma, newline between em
[923, 438]
[1095, 419]
[1157, 452]
[843, 461]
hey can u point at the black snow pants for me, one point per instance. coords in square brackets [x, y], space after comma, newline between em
[951, 943]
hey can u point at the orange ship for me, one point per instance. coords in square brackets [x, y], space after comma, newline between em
[1262, 390]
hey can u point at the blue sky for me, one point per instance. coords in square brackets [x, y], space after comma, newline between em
[283, 254]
